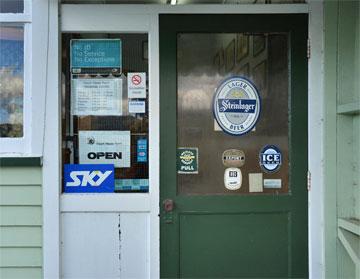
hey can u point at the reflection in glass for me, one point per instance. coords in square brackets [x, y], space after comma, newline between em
[133, 56]
[12, 6]
[11, 80]
[203, 62]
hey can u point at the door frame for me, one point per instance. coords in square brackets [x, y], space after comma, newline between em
[144, 18]
[118, 21]
[175, 240]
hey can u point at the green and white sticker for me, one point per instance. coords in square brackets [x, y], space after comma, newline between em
[187, 160]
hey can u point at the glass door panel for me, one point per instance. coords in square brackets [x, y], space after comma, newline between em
[105, 107]
[204, 60]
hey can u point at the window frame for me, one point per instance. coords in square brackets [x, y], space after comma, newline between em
[20, 146]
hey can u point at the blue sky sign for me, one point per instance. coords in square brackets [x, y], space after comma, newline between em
[89, 178]
[95, 54]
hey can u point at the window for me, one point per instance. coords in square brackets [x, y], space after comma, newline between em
[12, 6]
[11, 80]
[15, 57]
[105, 106]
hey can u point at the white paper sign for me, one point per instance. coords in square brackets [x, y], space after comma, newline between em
[136, 85]
[97, 96]
[136, 106]
[105, 147]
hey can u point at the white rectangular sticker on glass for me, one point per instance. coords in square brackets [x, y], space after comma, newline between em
[136, 85]
[97, 96]
[272, 183]
[136, 106]
[255, 182]
[105, 147]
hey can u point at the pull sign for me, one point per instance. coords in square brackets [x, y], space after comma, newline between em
[232, 178]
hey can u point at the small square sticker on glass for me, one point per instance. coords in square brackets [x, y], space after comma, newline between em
[255, 182]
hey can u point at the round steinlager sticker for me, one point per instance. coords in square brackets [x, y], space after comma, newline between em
[236, 106]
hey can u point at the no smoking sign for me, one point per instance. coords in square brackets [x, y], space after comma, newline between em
[136, 85]
[136, 79]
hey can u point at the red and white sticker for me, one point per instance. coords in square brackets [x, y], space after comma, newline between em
[136, 85]
[136, 80]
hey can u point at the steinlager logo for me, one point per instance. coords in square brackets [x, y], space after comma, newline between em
[236, 106]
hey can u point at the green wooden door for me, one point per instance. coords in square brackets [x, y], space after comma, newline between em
[259, 230]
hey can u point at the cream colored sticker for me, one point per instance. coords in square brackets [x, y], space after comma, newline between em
[232, 178]
[255, 182]
[233, 158]
[272, 183]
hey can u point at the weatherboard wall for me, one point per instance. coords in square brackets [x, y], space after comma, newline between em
[20, 222]
[341, 143]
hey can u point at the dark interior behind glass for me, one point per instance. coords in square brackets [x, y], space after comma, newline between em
[203, 61]
[134, 59]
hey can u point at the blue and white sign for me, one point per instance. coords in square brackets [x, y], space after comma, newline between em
[270, 158]
[89, 178]
[137, 107]
[134, 184]
[99, 53]
[141, 151]
[236, 106]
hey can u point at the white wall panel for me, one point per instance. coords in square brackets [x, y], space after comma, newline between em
[105, 245]
[134, 245]
[90, 245]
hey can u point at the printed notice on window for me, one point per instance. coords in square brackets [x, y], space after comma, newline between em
[97, 96]
[105, 147]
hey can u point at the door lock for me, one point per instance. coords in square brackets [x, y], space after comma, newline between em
[168, 208]
[168, 205]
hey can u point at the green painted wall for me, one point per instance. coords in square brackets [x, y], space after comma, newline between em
[20, 222]
[342, 130]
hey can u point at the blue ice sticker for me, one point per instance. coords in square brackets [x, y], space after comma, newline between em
[89, 178]
[142, 150]
[270, 158]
